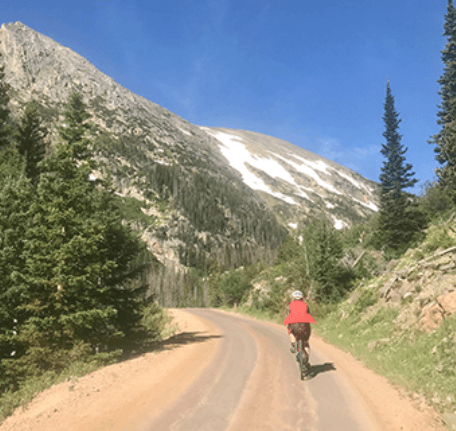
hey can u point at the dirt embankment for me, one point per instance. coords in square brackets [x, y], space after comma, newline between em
[121, 396]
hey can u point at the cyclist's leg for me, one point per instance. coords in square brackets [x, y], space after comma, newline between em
[293, 348]
[305, 337]
[306, 349]
[292, 337]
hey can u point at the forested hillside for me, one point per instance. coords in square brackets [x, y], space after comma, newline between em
[70, 268]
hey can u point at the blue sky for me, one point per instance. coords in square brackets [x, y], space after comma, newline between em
[312, 73]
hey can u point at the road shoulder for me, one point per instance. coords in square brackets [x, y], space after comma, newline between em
[126, 395]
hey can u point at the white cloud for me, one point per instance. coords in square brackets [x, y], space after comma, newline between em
[363, 160]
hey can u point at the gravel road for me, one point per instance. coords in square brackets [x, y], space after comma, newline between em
[253, 383]
[222, 371]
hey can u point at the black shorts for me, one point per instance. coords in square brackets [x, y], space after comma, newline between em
[300, 330]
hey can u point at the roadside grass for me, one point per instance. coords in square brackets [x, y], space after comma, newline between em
[9, 401]
[424, 364]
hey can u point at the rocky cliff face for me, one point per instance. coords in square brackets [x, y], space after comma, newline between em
[210, 194]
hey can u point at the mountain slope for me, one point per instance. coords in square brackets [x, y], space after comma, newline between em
[208, 195]
[296, 183]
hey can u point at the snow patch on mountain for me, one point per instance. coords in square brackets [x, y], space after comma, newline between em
[339, 224]
[367, 204]
[303, 194]
[185, 132]
[328, 183]
[308, 168]
[239, 158]
[357, 184]
[319, 165]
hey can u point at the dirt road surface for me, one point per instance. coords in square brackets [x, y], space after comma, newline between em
[222, 371]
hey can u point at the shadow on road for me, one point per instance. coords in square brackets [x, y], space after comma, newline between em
[182, 339]
[173, 342]
[322, 368]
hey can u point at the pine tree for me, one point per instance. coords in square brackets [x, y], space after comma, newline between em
[77, 264]
[5, 119]
[76, 126]
[323, 251]
[445, 140]
[15, 198]
[30, 140]
[395, 222]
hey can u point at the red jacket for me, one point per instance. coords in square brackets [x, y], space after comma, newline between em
[298, 312]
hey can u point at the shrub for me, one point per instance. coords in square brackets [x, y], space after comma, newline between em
[434, 201]
[276, 300]
[234, 286]
[438, 238]
[154, 320]
[367, 297]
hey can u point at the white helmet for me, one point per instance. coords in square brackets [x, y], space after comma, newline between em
[297, 294]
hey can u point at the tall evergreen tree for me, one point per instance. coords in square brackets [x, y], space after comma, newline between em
[76, 127]
[395, 223]
[5, 120]
[323, 250]
[15, 198]
[76, 264]
[30, 140]
[445, 140]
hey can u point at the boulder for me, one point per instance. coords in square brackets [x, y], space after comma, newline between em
[406, 288]
[431, 317]
[448, 302]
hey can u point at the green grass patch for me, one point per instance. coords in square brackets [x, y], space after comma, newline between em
[9, 401]
[420, 362]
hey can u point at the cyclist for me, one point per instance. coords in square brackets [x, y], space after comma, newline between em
[298, 323]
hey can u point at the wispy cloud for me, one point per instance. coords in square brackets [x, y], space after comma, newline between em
[186, 93]
[365, 160]
[123, 24]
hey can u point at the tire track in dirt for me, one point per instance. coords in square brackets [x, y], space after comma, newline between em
[287, 403]
[211, 401]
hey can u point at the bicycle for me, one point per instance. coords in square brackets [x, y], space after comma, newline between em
[303, 361]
